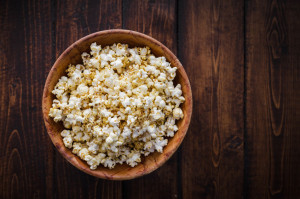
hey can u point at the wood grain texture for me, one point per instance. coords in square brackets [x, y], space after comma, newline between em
[75, 19]
[25, 49]
[273, 99]
[211, 49]
[72, 55]
[260, 94]
[156, 19]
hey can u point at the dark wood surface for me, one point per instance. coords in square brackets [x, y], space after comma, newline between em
[212, 160]
[243, 61]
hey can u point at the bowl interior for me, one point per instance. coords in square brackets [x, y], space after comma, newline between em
[73, 55]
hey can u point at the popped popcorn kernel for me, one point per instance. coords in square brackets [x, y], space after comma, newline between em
[118, 105]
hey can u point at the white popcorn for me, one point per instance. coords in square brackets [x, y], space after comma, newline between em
[120, 50]
[95, 62]
[126, 102]
[160, 143]
[160, 102]
[95, 49]
[93, 148]
[133, 158]
[68, 141]
[76, 75]
[113, 121]
[83, 153]
[128, 110]
[105, 113]
[126, 132]
[74, 102]
[177, 91]
[76, 147]
[143, 51]
[177, 113]
[109, 140]
[56, 114]
[82, 89]
[162, 77]
[159, 86]
[131, 119]
[117, 65]
[65, 133]
[151, 129]
[157, 114]
[118, 105]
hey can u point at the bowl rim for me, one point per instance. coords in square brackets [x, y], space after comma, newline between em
[62, 149]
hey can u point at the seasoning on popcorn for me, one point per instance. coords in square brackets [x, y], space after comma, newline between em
[118, 105]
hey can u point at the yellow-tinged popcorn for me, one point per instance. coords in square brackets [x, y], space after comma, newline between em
[177, 113]
[119, 104]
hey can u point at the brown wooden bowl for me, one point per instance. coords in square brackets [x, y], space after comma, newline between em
[73, 55]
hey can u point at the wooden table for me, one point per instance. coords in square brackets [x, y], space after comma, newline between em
[243, 61]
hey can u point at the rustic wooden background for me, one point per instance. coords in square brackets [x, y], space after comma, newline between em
[243, 61]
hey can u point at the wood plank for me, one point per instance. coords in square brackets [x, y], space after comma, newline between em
[273, 96]
[157, 19]
[75, 19]
[211, 49]
[25, 151]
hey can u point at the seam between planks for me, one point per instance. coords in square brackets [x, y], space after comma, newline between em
[179, 155]
[245, 180]
[53, 50]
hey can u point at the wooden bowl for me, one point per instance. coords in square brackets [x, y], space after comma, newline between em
[73, 55]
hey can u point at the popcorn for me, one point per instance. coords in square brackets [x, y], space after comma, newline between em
[118, 105]
[105, 113]
[131, 119]
[95, 62]
[82, 89]
[95, 49]
[93, 147]
[113, 121]
[177, 113]
[117, 65]
[68, 141]
[56, 114]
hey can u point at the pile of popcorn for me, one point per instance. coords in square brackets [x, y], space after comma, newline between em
[119, 104]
